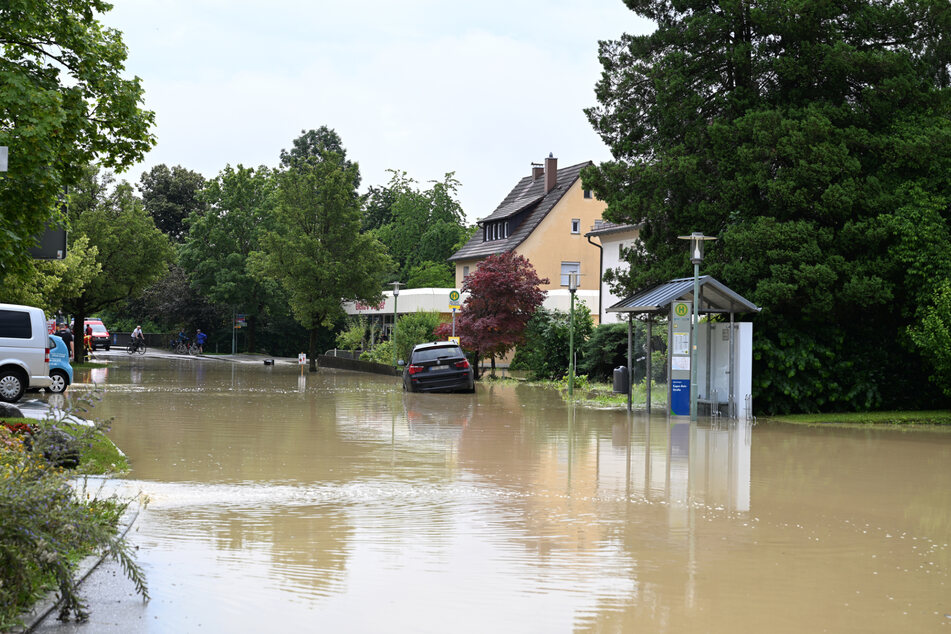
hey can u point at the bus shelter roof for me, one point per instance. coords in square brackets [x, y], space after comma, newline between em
[715, 297]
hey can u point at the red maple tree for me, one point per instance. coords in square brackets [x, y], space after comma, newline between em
[503, 295]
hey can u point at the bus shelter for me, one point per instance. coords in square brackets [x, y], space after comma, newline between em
[724, 349]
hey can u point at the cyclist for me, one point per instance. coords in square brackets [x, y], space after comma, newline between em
[200, 339]
[138, 339]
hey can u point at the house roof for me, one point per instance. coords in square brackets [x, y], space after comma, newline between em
[716, 297]
[605, 227]
[528, 195]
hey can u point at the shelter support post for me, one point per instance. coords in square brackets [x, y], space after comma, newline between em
[732, 399]
[650, 334]
[630, 355]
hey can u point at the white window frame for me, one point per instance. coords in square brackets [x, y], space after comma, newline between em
[576, 225]
[567, 268]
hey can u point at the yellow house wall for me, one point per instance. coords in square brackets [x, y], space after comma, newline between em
[552, 242]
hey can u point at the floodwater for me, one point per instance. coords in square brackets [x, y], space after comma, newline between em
[335, 502]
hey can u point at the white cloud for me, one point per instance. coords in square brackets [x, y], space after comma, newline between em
[427, 87]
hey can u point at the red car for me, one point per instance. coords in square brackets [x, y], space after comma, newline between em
[100, 336]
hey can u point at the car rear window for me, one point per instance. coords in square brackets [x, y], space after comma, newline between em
[432, 354]
[15, 324]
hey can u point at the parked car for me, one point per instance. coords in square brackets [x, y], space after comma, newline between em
[440, 366]
[24, 351]
[61, 372]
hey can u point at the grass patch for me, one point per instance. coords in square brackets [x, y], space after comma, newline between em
[98, 454]
[934, 417]
[588, 394]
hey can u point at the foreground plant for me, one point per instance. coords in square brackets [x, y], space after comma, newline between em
[47, 525]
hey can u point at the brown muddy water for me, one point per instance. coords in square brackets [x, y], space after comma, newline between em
[337, 503]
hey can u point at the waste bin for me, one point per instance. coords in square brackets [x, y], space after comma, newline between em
[622, 384]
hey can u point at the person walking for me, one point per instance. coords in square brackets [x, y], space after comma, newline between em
[67, 337]
[87, 339]
[200, 339]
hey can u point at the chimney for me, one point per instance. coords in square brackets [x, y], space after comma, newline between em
[537, 171]
[551, 172]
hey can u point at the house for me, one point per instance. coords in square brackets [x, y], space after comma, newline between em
[542, 219]
[614, 240]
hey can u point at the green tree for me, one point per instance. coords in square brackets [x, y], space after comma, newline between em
[430, 274]
[546, 348]
[50, 284]
[316, 250]
[219, 242]
[131, 251]
[933, 336]
[425, 227]
[413, 329]
[504, 293]
[814, 140]
[170, 196]
[64, 102]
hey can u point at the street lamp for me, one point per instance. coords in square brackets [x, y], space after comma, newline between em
[572, 287]
[396, 294]
[696, 257]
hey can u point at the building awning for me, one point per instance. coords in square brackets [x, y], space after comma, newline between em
[715, 297]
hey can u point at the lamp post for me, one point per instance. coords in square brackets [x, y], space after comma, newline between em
[572, 287]
[396, 294]
[696, 257]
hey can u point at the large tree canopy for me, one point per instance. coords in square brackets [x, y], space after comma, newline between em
[130, 250]
[170, 196]
[424, 228]
[64, 103]
[219, 242]
[315, 248]
[814, 140]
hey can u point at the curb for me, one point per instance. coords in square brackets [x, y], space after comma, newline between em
[47, 605]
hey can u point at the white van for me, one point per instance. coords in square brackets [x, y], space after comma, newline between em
[24, 351]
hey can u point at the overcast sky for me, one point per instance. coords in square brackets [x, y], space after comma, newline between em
[479, 88]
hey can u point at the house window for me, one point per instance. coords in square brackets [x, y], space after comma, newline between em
[567, 268]
[575, 225]
[506, 232]
[587, 193]
[465, 272]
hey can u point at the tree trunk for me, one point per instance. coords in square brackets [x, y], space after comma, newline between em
[312, 354]
[79, 334]
[492, 361]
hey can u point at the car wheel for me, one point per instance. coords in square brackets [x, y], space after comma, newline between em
[60, 382]
[106, 348]
[12, 386]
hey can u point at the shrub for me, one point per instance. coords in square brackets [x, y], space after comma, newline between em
[606, 349]
[46, 525]
[546, 348]
[413, 329]
[380, 353]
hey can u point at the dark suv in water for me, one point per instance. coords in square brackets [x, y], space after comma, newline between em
[440, 366]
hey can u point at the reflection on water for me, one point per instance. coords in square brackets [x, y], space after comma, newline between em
[338, 501]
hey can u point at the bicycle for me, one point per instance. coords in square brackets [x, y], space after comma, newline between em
[193, 349]
[136, 346]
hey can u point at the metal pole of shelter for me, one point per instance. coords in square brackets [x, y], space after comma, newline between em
[650, 335]
[630, 355]
[694, 331]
